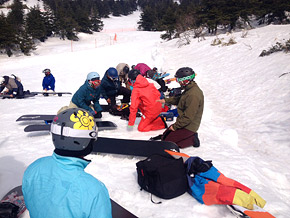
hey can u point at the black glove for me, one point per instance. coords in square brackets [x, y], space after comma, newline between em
[98, 115]
[199, 166]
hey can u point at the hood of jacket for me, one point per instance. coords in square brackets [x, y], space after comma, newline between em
[140, 82]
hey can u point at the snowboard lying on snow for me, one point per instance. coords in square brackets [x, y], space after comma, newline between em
[51, 93]
[13, 203]
[142, 148]
[102, 125]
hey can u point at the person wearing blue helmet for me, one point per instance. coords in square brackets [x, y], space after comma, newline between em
[87, 96]
[111, 88]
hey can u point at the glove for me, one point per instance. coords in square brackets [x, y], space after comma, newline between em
[199, 166]
[108, 100]
[98, 114]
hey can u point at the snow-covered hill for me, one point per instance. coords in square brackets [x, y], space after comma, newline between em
[245, 129]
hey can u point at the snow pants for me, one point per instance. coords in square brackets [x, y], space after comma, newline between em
[212, 187]
[182, 137]
[147, 124]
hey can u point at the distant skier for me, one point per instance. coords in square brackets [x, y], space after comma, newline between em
[87, 96]
[190, 109]
[57, 185]
[48, 82]
[13, 85]
[111, 88]
[144, 97]
[123, 70]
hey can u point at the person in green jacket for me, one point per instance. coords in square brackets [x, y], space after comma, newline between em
[189, 107]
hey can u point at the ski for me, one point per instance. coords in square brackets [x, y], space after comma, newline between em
[15, 196]
[102, 125]
[132, 147]
[51, 93]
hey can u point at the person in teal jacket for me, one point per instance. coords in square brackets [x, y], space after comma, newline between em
[57, 185]
[87, 96]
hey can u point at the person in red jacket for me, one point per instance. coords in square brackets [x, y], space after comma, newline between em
[143, 97]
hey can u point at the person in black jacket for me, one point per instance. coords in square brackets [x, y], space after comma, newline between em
[111, 88]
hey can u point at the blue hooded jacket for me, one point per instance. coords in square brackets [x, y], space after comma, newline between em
[48, 82]
[109, 88]
[58, 186]
[85, 95]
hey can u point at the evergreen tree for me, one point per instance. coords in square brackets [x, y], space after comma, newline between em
[7, 36]
[35, 24]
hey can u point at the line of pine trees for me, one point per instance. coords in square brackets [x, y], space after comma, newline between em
[175, 18]
[22, 27]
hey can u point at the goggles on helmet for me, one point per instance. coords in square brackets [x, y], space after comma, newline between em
[191, 77]
[95, 82]
[70, 132]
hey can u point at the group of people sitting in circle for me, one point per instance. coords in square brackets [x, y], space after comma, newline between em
[142, 98]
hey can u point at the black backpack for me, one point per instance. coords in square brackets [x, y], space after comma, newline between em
[162, 176]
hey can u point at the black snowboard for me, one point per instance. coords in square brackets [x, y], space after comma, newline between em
[102, 125]
[120, 212]
[51, 93]
[130, 147]
[48, 117]
[24, 96]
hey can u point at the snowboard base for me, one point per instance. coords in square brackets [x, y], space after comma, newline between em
[131, 147]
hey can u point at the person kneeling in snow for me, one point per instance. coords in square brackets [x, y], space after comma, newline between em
[189, 107]
[144, 97]
[48, 82]
[87, 96]
[13, 85]
[57, 185]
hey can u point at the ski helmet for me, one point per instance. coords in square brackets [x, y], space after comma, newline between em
[184, 75]
[46, 71]
[73, 132]
[152, 74]
[93, 79]
[112, 73]
[126, 70]
[92, 76]
[132, 75]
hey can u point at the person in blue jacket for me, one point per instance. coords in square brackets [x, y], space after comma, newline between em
[111, 88]
[48, 82]
[87, 96]
[57, 185]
